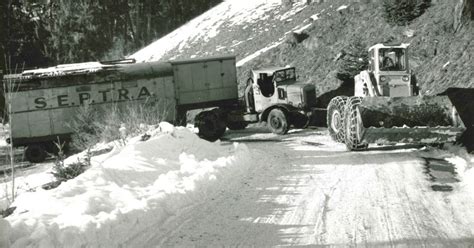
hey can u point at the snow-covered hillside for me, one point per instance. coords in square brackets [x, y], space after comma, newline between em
[233, 15]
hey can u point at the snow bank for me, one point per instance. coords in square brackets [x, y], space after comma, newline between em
[126, 191]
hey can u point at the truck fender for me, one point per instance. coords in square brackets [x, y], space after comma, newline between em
[285, 107]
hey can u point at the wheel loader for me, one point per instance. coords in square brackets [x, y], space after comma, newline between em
[386, 107]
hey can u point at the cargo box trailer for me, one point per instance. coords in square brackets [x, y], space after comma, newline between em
[45, 101]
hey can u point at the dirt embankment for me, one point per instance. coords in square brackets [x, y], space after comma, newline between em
[441, 50]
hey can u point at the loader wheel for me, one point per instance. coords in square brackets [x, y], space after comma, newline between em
[210, 124]
[353, 125]
[278, 121]
[299, 120]
[237, 125]
[335, 118]
[35, 153]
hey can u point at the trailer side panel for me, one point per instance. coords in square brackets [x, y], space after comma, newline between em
[39, 115]
[204, 81]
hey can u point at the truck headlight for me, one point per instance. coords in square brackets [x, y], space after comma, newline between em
[406, 78]
[383, 79]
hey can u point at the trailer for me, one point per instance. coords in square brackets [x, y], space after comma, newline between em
[44, 101]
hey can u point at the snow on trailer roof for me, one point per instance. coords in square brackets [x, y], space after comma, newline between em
[68, 69]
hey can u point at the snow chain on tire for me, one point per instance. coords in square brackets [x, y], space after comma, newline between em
[335, 118]
[354, 126]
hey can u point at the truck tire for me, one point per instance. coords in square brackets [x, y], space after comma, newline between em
[299, 120]
[237, 125]
[35, 153]
[353, 125]
[277, 121]
[335, 118]
[210, 124]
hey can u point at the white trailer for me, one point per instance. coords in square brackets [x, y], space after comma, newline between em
[44, 101]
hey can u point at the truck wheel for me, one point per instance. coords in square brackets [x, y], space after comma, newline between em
[353, 125]
[35, 153]
[211, 126]
[335, 118]
[278, 121]
[299, 120]
[237, 125]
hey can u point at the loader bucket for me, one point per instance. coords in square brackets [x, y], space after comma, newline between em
[416, 119]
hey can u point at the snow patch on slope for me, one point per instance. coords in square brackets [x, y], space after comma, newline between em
[132, 188]
[254, 55]
[207, 25]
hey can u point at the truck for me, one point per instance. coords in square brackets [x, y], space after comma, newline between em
[44, 101]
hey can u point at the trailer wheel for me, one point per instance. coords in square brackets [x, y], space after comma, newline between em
[354, 126]
[335, 118]
[237, 125]
[299, 120]
[35, 153]
[210, 124]
[278, 121]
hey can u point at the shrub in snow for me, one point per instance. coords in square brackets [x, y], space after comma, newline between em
[115, 122]
[402, 12]
[84, 128]
[63, 172]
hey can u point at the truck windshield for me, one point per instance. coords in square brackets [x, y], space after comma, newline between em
[283, 75]
[392, 59]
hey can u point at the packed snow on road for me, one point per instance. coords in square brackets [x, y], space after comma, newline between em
[251, 188]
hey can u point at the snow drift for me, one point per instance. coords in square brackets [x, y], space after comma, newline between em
[127, 190]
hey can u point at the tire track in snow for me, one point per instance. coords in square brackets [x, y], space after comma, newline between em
[322, 220]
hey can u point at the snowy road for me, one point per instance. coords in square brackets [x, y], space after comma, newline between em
[303, 189]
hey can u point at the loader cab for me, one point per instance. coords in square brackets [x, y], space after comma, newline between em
[388, 73]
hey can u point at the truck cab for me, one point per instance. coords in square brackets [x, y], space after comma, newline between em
[277, 89]
[278, 86]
